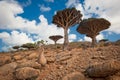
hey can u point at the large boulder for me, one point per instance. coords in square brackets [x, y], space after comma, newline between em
[27, 73]
[104, 69]
[7, 71]
[18, 57]
[33, 55]
[4, 59]
[74, 76]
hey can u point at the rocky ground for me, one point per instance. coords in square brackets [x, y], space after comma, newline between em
[75, 64]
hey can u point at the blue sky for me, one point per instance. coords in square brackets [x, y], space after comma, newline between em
[23, 21]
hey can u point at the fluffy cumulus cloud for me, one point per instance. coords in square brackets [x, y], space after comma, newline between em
[72, 37]
[72, 3]
[43, 8]
[9, 11]
[22, 27]
[27, 3]
[107, 9]
[15, 38]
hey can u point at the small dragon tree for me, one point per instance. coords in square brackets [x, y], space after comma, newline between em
[103, 40]
[55, 38]
[16, 47]
[65, 19]
[92, 26]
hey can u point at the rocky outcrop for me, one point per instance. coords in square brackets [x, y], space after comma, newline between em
[62, 65]
[26, 73]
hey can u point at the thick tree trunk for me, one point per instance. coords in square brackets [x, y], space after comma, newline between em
[55, 44]
[65, 47]
[94, 41]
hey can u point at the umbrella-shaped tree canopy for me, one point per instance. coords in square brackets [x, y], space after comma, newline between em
[92, 26]
[55, 38]
[67, 18]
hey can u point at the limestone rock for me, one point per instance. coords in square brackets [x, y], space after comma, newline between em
[27, 73]
[42, 59]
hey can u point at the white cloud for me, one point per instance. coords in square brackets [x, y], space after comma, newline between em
[8, 12]
[49, 0]
[43, 8]
[80, 40]
[100, 36]
[10, 20]
[27, 3]
[15, 38]
[72, 37]
[71, 3]
[107, 9]
[87, 39]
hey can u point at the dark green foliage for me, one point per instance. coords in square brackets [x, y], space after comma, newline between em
[16, 47]
[103, 40]
[29, 45]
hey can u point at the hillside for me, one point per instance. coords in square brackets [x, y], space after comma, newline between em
[80, 62]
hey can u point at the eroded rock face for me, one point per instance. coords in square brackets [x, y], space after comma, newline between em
[27, 73]
[74, 76]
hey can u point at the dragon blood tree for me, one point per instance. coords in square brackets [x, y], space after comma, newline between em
[65, 19]
[55, 38]
[92, 26]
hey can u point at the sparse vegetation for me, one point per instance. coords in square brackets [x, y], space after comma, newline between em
[16, 47]
[29, 46]
[103, 40]
[43, 62]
